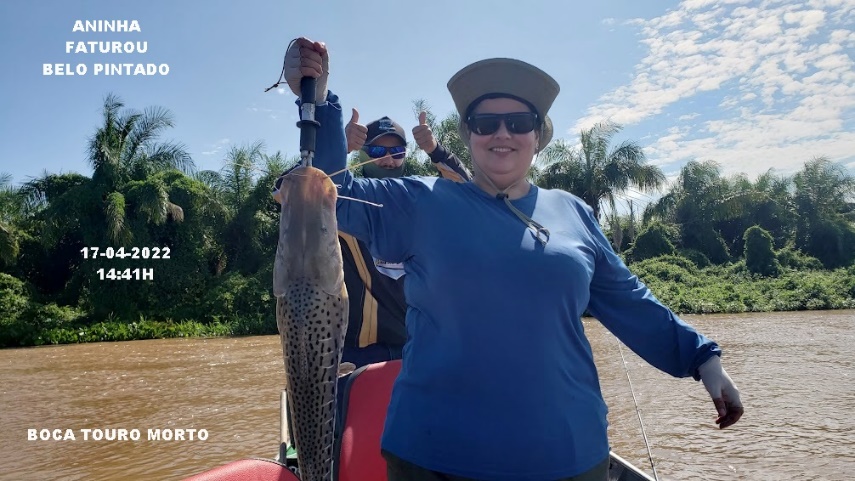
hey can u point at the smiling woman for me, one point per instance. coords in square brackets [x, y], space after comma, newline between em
[527, 264]
[503, 105]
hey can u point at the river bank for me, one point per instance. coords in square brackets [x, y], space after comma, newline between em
[677, 282]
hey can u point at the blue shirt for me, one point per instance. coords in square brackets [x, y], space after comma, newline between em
[498, 379]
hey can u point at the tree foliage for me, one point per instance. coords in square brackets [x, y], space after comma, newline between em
[655, 240]
[759, 252]
[221, 227]
[596, 171]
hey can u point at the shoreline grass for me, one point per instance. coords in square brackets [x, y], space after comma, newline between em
[676, 281]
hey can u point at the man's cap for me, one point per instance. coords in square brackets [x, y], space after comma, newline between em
[385, 126]
[506, 76]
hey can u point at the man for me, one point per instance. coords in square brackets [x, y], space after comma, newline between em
[381, 135]
[376, 330]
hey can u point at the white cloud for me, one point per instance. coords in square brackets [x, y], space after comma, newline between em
[271, 113]
[216, 147]
[697, 4]
[777, 78]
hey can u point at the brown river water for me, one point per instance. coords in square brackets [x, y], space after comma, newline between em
[795, 372]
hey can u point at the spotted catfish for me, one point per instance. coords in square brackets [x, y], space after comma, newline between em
[311, 312]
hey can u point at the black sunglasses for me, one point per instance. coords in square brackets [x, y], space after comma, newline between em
[516, 123]
[378, 151]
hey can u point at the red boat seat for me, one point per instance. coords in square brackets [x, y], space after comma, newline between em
[248, 470]
[363, 414]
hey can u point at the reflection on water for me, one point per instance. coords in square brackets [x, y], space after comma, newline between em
[795, 371]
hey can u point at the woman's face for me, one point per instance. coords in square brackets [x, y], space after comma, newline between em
[504, 156]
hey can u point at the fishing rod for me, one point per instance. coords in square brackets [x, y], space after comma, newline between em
[637, 411]
[308, 125]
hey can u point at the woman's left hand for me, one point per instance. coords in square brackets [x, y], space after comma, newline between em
[723, 391]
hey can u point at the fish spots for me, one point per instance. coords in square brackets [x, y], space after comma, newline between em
[312, 327]
[311, 322]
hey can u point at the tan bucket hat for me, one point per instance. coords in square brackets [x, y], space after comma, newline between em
[505, 76]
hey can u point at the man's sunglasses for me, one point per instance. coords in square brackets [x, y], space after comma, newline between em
[378, 151]
[516, 123]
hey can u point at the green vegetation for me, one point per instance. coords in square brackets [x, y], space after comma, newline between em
[688, 289]
[707, 244]
[759, 254]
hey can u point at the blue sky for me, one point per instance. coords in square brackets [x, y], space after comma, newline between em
[752, 84]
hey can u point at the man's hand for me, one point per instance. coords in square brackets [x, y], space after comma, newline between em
[723, 391]
[355, 132]
[306, 58]
[423, 135]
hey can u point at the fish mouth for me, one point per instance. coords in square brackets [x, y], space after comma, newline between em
[308, 248]
[308, 196]
[307, 186]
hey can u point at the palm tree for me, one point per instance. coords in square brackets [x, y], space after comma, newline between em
[699, 202]
[696, 181]
[823, 194]
[128, 198]
[596, 172]
[11, 209]
[239, 172]
[230, 188]
[125, 145]
[123, 150]
[250, 216]
[49, 249]
[275, 164]
[766, 202]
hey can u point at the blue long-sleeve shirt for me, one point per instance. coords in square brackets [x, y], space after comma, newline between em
[498, 379]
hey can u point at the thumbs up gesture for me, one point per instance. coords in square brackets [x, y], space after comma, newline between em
[355, 133]
[423, 135]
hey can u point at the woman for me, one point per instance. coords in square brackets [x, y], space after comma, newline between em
[498, 379]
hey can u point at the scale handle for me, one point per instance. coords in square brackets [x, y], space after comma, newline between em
[307, 124]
